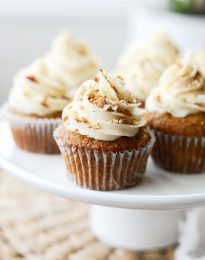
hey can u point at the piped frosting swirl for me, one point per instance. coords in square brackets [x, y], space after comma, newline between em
[104, 109]
[142, 66]
[71, 62]
[200, 57]
[35, 91]
[181, 90]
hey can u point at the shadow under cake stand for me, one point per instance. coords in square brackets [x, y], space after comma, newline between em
[141, 218]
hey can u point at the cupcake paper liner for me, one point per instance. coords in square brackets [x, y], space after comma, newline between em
[180, 154]
[34, 134]
[99, 170]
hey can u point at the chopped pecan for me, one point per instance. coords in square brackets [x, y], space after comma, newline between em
[32, 78]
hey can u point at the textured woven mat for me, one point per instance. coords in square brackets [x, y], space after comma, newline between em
[38, 226]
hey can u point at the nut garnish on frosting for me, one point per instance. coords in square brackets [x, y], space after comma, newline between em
[181, 90]
[104, 109]
[71, 62]
[35, 91]
[142, 66]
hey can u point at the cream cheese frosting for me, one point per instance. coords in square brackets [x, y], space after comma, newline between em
[142, 66]
[104, 109]
[181, 90]
[200, 57]
[160, 46]
[35, 91]
[71, 62]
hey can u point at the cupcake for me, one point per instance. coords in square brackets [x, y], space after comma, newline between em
[103, 139]
[35, 105]
[142, 66]
[176, 113]
[71, 62]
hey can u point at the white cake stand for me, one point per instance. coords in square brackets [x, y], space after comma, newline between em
[140, 218]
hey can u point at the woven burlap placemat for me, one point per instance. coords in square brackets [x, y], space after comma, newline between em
[37, 226]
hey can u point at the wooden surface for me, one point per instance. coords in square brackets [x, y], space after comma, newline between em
[38, 226]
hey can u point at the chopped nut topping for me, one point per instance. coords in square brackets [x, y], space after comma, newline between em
[158, 98]
[123, 121]
[99, 101]
[82, 50]
[32, 78]
[96, 79]
[44, 103]
[65, 119]
[94, 125]
[65, 97]
[199, 104]
[107, 107]
[85, 121]
[81, 120]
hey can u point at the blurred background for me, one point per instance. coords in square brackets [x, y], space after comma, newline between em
[28, 27]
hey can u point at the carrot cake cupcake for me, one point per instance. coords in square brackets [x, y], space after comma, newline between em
[71, 62]
[176, 113]
[36, 102]
[142, 66]
[103, 139]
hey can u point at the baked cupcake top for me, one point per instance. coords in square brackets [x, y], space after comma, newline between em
[142, 66]
[181, 90]
[35, 92]
[71, 62]
[104, 109]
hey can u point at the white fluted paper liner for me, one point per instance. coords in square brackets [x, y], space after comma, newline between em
[181, 154]
[34, 134]
[99, 170]
[192, 236]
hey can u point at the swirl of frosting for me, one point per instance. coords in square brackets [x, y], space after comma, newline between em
[159, 48]
[181, 90]
[71, 62]
[200, 57]
[36, 92]
[144, 65]
[142, 77]
[104, 109]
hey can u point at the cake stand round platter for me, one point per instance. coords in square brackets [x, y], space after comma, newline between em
[144, 217]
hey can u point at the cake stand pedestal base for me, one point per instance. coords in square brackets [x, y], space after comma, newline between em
[136, 229]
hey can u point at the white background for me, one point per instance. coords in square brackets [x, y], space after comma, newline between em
[27, 28]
